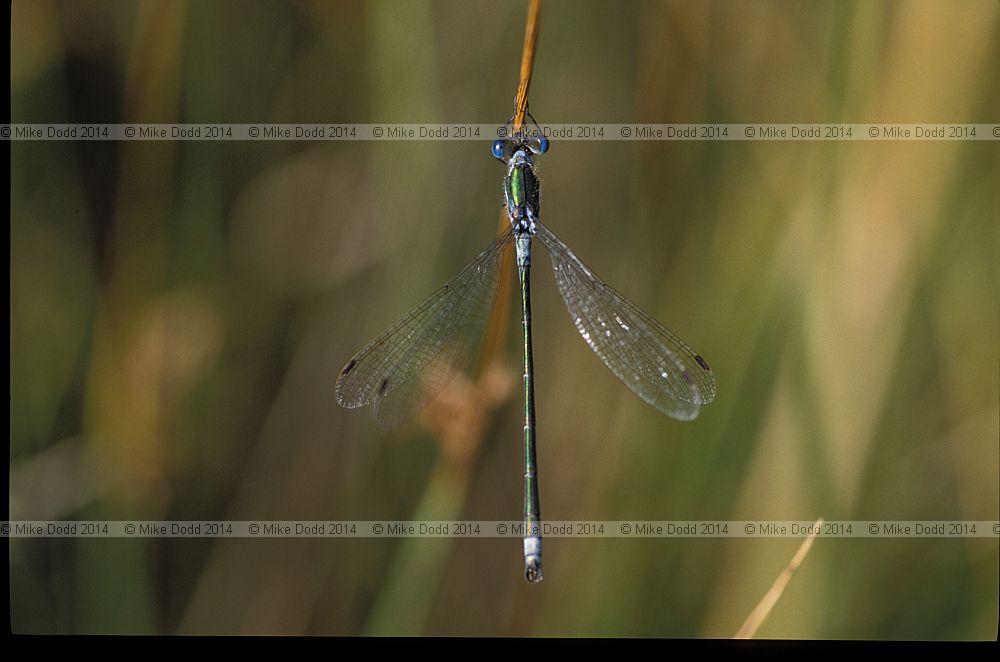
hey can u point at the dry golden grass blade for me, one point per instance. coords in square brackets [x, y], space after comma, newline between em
[527, 63]
[764, 607]
[496, 328]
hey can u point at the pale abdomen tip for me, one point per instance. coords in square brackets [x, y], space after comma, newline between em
[533, 569]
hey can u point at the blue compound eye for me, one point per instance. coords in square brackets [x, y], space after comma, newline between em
[543, 145]
[498, 146]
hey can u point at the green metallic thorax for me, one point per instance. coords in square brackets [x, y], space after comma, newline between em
[516, 188]
[521, 188]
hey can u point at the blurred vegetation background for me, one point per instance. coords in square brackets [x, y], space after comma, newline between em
[180, 312]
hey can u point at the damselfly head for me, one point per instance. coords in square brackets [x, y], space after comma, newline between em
[514, 152]
[529, 139]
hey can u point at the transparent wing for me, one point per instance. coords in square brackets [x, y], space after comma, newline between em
[655, 364]
[399, 372]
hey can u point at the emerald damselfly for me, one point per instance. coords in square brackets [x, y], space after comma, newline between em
[400, 371]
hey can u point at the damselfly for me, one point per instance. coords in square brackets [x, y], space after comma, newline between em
[399, 372]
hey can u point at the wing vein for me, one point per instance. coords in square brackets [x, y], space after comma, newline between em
[649, 359]
[400, 371]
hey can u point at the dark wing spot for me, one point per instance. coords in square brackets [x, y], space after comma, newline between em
[688, 378]
[702, 362]
[383, 387]
[350, 366]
